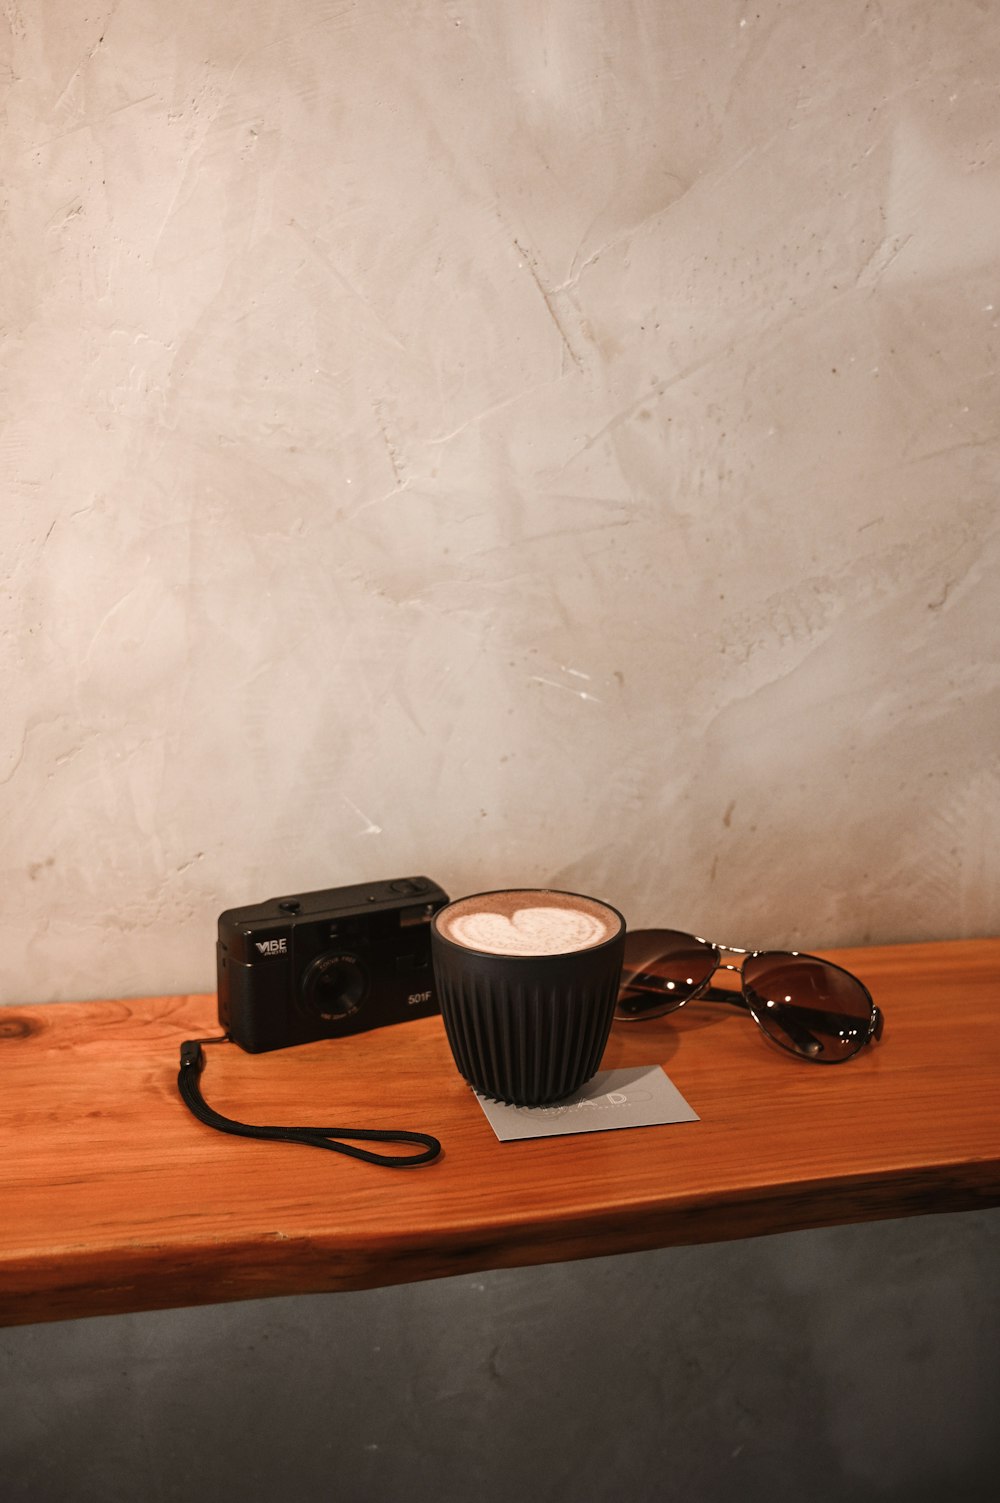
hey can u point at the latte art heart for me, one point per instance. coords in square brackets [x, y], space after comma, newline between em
[530, 931]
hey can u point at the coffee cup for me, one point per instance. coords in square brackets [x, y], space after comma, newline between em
[527, 980]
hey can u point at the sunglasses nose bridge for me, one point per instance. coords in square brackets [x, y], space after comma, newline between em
[721, 951]
[726, 989]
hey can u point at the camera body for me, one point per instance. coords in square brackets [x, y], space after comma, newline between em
[321, 965]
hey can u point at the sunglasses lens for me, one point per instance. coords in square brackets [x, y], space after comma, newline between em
[808, 1006]
[662, 969]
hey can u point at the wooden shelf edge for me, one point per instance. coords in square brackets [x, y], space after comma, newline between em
[136, 1278]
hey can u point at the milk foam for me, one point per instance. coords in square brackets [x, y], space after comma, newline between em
[528, 922]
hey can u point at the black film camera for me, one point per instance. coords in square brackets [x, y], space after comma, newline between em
[326, 964]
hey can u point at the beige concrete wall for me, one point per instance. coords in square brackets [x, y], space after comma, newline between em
[542, 442]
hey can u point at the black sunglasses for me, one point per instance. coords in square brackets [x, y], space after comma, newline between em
[808, 1006]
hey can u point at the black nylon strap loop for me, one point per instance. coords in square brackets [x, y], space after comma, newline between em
[192, 1064]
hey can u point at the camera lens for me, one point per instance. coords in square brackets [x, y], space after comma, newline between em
[334, 986]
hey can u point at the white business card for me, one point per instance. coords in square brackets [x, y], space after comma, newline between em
[643, 1096]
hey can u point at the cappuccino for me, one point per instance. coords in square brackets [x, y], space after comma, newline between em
[528, 921]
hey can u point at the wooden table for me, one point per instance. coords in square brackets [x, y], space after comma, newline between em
[113, 1198]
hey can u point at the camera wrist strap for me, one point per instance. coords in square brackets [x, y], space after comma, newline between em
[189, 1085]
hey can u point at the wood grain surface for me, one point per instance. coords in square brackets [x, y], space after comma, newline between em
[113, 1198]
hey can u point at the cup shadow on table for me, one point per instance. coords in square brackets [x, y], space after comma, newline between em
[660, 1039]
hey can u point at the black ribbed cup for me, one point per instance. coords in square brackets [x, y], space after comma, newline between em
[527, 1029]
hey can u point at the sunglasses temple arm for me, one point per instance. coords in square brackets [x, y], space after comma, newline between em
[792, 1027]
[642, 987]
[795, 1030]
[719, 994]
[790, 1023]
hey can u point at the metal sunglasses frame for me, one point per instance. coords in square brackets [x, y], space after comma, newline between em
[808, 1046]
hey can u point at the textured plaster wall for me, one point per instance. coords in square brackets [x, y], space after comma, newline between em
[544, 442]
